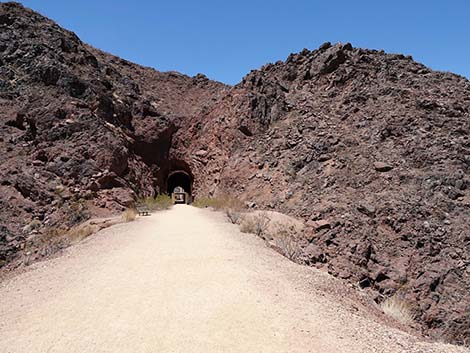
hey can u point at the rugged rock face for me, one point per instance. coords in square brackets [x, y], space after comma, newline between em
[372, 150]
[81, 132]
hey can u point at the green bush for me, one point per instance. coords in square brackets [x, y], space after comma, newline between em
[161, 202]
[219, 203]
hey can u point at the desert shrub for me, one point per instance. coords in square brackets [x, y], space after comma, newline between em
[261, 222]
[398, 308]
[50, 241]
[77, 212]
[286, 241]
[160, 202]
[59, 192]
[219, 203]
[282, 237]
[233, 215]
[256, 224]
[247, 226]
[48, 236]
[129, 215]
[33, 225]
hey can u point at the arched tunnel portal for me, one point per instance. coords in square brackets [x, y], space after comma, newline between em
[180, 178]
[168, 172]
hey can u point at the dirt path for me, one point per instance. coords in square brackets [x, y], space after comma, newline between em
[184, 280]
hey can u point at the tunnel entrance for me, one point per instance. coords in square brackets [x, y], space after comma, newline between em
[179, 178]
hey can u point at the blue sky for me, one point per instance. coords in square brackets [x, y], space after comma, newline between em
[226, 39]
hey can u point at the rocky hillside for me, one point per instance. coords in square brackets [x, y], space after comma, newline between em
[372, 150]
[82, 132]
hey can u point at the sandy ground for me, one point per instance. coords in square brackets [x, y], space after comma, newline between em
[185, 280]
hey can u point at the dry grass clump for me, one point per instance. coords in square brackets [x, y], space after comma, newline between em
[49, 237]
[398, 308]
[204, 202]
[219, 203]
[51, 240]
[79, 233]
[129, 215]
[54, 239]
[255, 224]
[160, 202]
[232, 206]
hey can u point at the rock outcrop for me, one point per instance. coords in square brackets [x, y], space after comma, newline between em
[370, 149]
[82, 132]
[372, 144]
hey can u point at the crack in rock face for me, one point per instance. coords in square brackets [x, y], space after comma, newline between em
[369, 149]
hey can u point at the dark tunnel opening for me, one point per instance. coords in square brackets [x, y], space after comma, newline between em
[179, 178]
[168, 173]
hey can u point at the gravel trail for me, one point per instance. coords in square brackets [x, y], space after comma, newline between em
[185, 280]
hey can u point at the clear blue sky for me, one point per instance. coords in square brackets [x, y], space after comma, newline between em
[226, 39]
